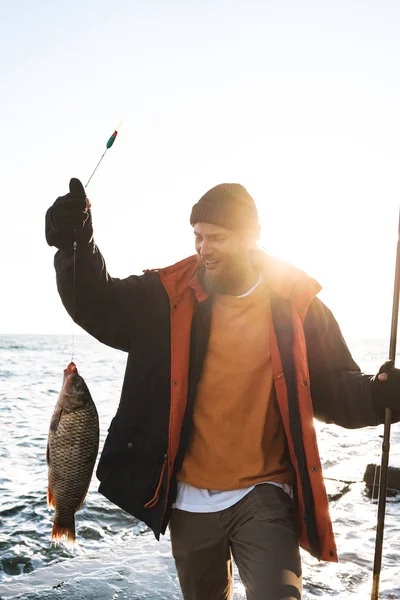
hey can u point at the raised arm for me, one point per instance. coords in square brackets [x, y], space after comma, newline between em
[112, 310]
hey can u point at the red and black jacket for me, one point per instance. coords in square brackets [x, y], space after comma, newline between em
[162, 319]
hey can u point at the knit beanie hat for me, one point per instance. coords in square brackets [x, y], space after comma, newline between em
[228, 205]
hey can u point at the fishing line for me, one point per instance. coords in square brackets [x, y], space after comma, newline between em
[73, 300]
[344, 480]
[95, 169]
[110, 142]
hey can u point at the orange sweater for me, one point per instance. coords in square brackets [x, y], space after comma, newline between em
[238, 437]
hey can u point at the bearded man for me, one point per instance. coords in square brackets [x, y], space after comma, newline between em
[231, 355]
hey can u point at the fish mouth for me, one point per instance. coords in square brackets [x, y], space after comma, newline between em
[71, 369]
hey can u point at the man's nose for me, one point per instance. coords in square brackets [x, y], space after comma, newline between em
[205, 249]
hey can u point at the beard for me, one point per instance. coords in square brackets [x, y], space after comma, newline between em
[224, 281]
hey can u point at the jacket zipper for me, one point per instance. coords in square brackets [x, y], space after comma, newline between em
[151, 503]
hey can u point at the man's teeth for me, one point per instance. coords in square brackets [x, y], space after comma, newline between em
[209, 263]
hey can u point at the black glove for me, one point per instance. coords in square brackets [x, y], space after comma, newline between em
[386, 394]
[69, 219]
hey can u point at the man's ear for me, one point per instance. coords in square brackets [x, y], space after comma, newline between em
[252, 235]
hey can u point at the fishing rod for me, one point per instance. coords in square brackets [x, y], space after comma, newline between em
[383, 481]
[109, 143]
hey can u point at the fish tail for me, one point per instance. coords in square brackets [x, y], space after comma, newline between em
[50, 497]
[63, 532]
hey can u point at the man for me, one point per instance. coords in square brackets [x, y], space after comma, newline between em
[231, 355]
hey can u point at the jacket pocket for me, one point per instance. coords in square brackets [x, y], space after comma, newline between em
[132, 466]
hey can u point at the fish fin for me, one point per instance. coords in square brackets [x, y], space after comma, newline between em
[63, 533]
[50, 498]
[55, 419]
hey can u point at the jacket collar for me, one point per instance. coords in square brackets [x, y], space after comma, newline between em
[284, 279]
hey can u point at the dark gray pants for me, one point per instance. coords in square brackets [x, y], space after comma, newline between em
[257, 531]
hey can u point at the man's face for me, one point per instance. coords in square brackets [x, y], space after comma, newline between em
[223, 257]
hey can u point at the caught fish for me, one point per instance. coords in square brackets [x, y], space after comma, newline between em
[72, 448]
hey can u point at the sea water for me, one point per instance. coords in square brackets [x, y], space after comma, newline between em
[31, 371]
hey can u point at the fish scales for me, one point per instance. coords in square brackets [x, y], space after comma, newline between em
[72, 458]
[71, 452]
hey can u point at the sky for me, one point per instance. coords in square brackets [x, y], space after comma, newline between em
[297, 101]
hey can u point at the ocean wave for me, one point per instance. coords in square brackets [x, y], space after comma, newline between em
[34, 367]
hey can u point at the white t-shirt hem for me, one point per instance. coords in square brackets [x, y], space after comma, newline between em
[192, 499]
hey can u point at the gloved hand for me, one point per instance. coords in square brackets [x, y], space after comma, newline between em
[386, 389]
[69, 219]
